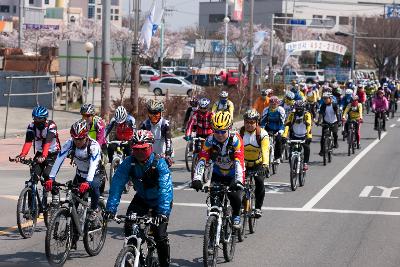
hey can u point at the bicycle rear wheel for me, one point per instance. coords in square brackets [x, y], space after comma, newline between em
[189, 155]
[27, 212]
[95, 233]
[244, 214]
[293, 173]
[210, 247]
[126, 257]
[379, 129]
[59, 237]
[229, 243]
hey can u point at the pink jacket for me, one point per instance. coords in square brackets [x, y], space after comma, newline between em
[380, 103]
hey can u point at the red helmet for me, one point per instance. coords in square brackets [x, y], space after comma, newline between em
[79, 129]
[142, 145]
[274, 100]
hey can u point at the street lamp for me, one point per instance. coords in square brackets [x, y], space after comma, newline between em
[88, 47]
[226, 21]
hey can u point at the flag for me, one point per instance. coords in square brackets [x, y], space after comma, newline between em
[148, 28]
[157, 22]
[258, 40]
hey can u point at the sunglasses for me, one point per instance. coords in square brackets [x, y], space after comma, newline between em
[86, 115]
[250, 121]
[154, 112]
[220, 132]
[79, 139]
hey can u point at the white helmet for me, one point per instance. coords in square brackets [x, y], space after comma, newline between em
[204, 102]
[349, 92]
[223, 94]
[120, 114]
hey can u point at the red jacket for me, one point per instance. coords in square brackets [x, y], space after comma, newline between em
[362, 96]
[202, 121]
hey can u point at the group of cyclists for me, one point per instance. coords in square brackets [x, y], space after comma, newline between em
[149, 148]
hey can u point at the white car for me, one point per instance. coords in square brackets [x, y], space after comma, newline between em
[174, 85]
[146, 74]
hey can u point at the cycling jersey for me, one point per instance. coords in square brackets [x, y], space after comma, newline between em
[261, 104]
[97, 130]
[273, 120]
[312, 97]
[124, 131]
[162, 136]
[380, 103]
[370, 90]
[228, 158]
[362, 96]
[355, 113]
[298, 95]
[255, 153]
[298, 126]
[288, 106]
[202, 122]
[45, 140]
[218, 106]
[87, 159]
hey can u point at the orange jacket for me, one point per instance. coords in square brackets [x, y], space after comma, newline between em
[261, 104]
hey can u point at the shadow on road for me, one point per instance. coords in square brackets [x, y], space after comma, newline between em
[187, 233]
[183, 262]
[23, 259]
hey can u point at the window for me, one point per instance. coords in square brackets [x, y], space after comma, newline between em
[116, 18]
[332, 20]
[111, 17]
[91, 1]
[46, 2]
[112, 11]
[14, 9]
[31, 2]
[176, 81]
[116, 11]
[98, 10]
[344, 21]
[143, 72]
[5, 9]
[166, 80]
[98, 17]
[216, 18]
[91, 12]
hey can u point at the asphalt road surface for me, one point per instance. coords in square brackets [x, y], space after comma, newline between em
[347, 214]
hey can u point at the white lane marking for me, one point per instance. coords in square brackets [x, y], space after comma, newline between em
[312, 202]
[391, 126]
[398, 119]
[366, 191]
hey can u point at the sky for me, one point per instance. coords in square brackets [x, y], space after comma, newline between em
[186, 14]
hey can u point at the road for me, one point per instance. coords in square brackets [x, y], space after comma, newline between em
[347, 214]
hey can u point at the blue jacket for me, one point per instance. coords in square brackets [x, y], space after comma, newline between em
[321, 101]
[158, 197]
[273, 120]
[346, 100]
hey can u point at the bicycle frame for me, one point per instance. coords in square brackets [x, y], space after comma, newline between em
[296, 151]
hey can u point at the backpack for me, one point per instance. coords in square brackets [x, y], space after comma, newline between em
[49, 122]
[151, 176]
[71, 153]
[258, 134]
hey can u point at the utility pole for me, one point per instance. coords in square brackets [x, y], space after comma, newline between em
[226, 21]
[106, 61]
[353, 50]
[21, 22]
[162, 39]
[251, 66]
[271, 48]
[135, 61]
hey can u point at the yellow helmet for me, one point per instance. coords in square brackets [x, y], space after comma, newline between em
[222, 120]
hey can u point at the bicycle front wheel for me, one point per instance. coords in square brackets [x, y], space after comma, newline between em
[59, 237]
[126, 257]
[27, 212]
[210, 246]
[252, 218]
[188, 155]
[95, 233]
[229, 244]
[293, 173]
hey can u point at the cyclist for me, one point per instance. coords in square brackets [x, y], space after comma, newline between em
[288, 102]
[394, 97]
[298, 95]
[370, 91]
[152, 181]
[329, 115]
[256, 153]
[379, 103]
[312, 101]
[262, 101]
[346, 100]
[225, 149]
[355, 113]
[224, 104]
[298, 127]
[362, 96]
[160, 129]
[273, 121]
[96, 125]
[201, 121]
[85, 154]
[125, 126]
[43, 134]
[193, 106]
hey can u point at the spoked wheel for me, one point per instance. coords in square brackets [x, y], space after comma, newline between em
[27, 212]
[193, 165]
[379, 129]
[59, 238]
[330, 149]
[274, 168]
[229, 242]
[271, 163]
[302, 175]
[126, 257]
[152, 258]
[189, 155]
[293, 173]
[95, 232]
[286, 152]
[244, 214]
[210, 247]
[325, 151]
[350, 142]
[393, 110]
[252, 218]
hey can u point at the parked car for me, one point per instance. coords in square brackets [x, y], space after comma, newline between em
[314, 75]
[291, 75]
[165, 74]
[233, 78]
[146, 74]
[174, 85]
[181, 73]
[169, 69]
[200, 79]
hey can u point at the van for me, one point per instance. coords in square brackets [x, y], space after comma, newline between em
[314, 75]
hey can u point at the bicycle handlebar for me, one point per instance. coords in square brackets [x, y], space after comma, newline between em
[296, 141]
[22, 161]
[133, 217]
[117, 142]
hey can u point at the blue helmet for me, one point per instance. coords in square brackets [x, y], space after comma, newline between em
[40, 112]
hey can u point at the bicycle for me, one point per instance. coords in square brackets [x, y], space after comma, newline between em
[392, 108]
[219, 227]
[197, 141]
[139, 248]
[70, 222]
[189, 154]
[118, 157]
[248, 203]
[327, 147]
[31, 203]
[351, 137]
[381, 117]
[273, 166]
[296, 162]
[368, 104]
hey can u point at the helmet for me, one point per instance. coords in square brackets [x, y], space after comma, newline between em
[251, 114]
[204, 102]
[349, 92]
[222, 120]
[338, 90]
[299, 105]
[355, 98]
[326, 95]
[223, 94]
[142, 139]
[270, 91]
[154, 106]
[289, 95]
[120, 114]
[40, 112]
[360, 85]
[380, 92]
[79, 129]
[87, 109]
[335, 85]
[194, 102]
[264, 92]
[274, 100]
[385, 85]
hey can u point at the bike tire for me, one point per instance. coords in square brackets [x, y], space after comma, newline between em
[210, 234]
[244, 214]
[349, 142]
[275, 168]
[68, 233]
[379, 129]
[126, 257]
[193, 166]
[25, 199]
[228, 248]
[188, 156]
[271, 163]
[293, 173]
[252, 219]
[302, 175]
[87, 238]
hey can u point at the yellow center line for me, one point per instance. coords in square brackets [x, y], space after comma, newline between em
[11, 229]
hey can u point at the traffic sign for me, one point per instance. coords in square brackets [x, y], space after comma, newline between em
[297, 22]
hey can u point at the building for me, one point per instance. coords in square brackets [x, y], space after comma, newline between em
[335, 15]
